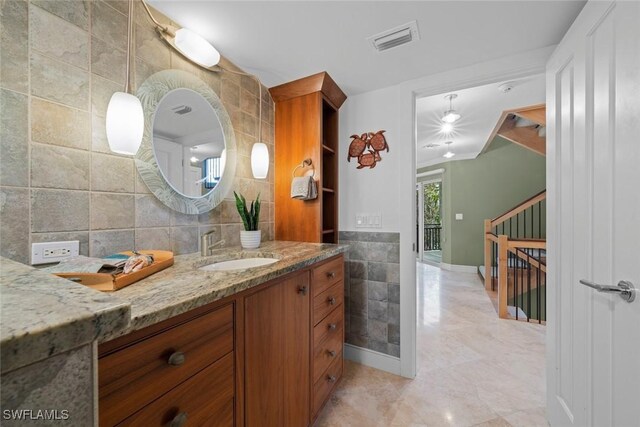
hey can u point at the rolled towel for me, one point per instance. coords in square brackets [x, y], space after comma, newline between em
[304, 188]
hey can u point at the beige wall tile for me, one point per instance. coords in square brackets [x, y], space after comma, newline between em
[59, 210]
[110, 211]
[59, 82]
[108, 24]
[121, 6]
[108, 62]
[151, 213]
[229, 213]
[249, 103]
[150, 48]
[112, 173]
[141, 187]
[14, 39]
[231, 234]
[142, 71]
[14, 223]
[101, 91]
[74, 11]
[14, 134]
[105, 243]
[230, 94]
[153, 238]
[59, 125]
[57, 38]
[59, 167]
[80, 236]
[185, 240]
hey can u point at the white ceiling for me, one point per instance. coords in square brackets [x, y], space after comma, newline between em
[282, 41]
[480, 108]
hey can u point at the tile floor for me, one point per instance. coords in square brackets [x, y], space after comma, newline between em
[473, 368]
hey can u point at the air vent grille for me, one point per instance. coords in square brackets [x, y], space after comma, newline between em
[182, 109]
[395, 37]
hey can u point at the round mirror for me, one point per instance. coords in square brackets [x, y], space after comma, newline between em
[188, 152]
[188, 143]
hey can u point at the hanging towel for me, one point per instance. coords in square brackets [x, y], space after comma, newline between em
[304, 188]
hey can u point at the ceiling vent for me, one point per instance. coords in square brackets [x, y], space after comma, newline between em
[395, 37]
[182, 109]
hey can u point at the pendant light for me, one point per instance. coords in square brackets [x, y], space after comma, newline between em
[259, 151]
[451, 115]
[125, 119]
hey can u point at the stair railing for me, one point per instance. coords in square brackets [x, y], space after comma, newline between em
[511, 241]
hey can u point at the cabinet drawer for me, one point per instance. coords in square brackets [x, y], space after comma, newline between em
[325, 384]
[328, 350]
[327, 274]
[331, 325]
[325, 302]
[136, 375]
[205, 399]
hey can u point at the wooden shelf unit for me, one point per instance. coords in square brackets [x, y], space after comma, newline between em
[306, 117]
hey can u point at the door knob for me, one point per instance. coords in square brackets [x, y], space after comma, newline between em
[331, 353]
[302, 290]
[331, 300]
[332, 326]
[625, 289]
[331, 274]
[331, 378]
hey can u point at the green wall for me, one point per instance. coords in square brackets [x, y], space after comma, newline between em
[480, 189]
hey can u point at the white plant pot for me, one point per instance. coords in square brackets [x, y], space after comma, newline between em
[250, 239]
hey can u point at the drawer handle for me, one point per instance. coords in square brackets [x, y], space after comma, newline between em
[331, 353]
[302, 290]
[331, 274]
[176, 359]
[332, 326]
[331, 378]
[331, 300]
[179, 420]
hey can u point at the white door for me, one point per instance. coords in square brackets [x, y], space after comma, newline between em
[593, 187]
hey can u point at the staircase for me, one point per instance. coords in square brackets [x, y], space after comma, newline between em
[524, 126]
[515, 271]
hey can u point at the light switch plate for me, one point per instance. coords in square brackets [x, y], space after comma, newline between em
[459, 217]
[48, 252]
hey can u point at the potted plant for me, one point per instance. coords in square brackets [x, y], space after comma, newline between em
[251, 236]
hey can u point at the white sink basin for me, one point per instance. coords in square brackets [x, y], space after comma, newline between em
[239, 264]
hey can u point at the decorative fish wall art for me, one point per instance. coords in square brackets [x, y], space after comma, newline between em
[367, 148]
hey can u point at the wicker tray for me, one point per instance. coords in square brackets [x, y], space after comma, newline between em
[107, 282]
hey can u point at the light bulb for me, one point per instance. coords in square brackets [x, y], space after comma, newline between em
[446, 128]
[260, 160]
[196, 48]
[125, 123]
[450, 116]
[448, 155]
[194, 159]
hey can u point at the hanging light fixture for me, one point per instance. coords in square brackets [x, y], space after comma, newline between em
[187, 42]
[451, 115]
[125, 119]
[449, 154]
[259, 151]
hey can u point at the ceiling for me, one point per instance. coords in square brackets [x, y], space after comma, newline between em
[286, 40]
[480, 108]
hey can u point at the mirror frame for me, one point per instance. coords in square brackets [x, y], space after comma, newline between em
[151, 93]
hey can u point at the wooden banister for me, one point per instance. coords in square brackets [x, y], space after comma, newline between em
[530, 259]
[503, 272]
[488, 278]
[527, 243]
[520, 208]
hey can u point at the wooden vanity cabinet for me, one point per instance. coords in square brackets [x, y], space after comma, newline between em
[268, 356]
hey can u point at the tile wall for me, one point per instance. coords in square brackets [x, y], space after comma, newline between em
[373, 290]
[59, 64]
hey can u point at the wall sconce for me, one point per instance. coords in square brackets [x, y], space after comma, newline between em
[192, 45]
[125, 119]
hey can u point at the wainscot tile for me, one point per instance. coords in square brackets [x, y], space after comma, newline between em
[185, 240]
[14, 224]
[14, 134]
[74, 11]
[109, 25]
[60, 82]
[379, 346]
[59, 167]
[109, 211]
[378, 310]
[112, 173]
[153, 238]
[393, 273]
[14, 39]
[377, 271]
[394, 313]
[358, 269]
[394, 292]
[59, 125]
[393, 350]
[394, 334]
[105, 243]
[231, 234]
[57, 38]
[358, 297]
[377, 330]
[150, 212]
[59, 210]
[107, 61]
[377, 290]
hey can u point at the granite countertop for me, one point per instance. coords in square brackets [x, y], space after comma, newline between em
[183, 287]
[42, 315]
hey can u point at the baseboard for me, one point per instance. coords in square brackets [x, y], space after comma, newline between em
[459, 268]
[371, 358]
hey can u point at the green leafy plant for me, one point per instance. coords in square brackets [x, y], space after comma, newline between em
[250, 217]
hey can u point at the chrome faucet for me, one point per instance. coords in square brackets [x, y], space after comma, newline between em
[205, 243]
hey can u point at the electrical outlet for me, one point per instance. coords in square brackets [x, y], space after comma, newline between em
[459, 217]
[48, 252]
